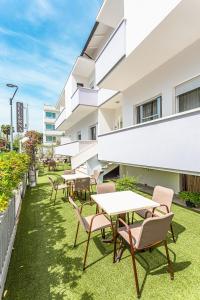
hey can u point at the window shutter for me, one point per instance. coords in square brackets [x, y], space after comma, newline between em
[187, 86]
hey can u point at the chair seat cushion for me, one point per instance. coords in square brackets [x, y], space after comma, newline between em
[135, 231]
[99, 222]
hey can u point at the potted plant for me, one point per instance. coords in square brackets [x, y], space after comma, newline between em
[192, 199]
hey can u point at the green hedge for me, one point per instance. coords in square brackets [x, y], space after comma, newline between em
[13, 166]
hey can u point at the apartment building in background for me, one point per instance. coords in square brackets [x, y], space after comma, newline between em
[132, 100]
[51, 137]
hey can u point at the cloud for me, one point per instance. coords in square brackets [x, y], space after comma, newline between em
[39, 10]
[38, 47]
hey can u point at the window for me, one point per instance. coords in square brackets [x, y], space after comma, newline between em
[150, 111]
[50, 139]
[189, 100]
[50, 127]
[79, 135]
[50, 115]
[93, 133]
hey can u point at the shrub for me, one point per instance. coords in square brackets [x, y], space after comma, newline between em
[190, 196]
[126, 184]
[12, 168]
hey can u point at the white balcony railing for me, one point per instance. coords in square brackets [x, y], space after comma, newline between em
[73, 148]
[60, 119]
[170, 143]
[88, 151]
[112, 53]
[84, 96]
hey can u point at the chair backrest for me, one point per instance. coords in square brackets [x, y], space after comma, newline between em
[68, 172]
[52, 163]
[154, 230]
[163, 195]
[78, 212]
[82, 184]
[96, 174]
[52, 182]
[107, 187]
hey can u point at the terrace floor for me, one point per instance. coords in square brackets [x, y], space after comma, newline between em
[45, 266]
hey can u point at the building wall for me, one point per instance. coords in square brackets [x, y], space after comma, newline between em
[47, 120]
[143, 16]
[152, 177]
[82, 126]
[162, 81]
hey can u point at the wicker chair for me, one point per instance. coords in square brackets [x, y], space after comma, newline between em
[164, 197]
[141, 236]
[107, 187]
[90, 224]
[81, 185]
[57, 187]
[94, 178]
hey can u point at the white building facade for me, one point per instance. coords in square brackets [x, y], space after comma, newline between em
[133, 97]
[51, 137]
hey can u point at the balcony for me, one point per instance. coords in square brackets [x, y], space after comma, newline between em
[136, 39]
[113, 52]
[73, 148]
[60, 119]
[83, 102]
[53, 132]
[84, 96]
[171, 143]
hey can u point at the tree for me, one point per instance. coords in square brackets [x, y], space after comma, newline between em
[34, 140]
[6, 130]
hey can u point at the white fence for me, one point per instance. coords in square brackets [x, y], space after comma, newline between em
[8, 227]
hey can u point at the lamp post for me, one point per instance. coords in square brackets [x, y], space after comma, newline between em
[11, 113]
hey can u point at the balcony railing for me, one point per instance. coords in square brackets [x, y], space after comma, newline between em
[84, 96]
[170, 143]
[60, 119]
[73, 148]
[112, 53]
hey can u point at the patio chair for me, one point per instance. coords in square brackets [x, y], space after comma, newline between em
[141, 236]
[52, 165]
[94, 178]
[68, 172]
[81, 185]
[90, 224]
[164, 197]
[107, 187]
[57, 187]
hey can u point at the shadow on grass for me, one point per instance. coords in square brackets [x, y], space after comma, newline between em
[40, 261]
[87, 296]
[155, 263]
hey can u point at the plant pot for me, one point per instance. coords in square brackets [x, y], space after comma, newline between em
[189, 203]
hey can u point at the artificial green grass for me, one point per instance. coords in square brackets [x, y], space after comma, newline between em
[45, 265]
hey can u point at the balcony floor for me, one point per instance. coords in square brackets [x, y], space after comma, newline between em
[45, 266]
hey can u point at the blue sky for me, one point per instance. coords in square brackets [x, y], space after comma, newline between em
[39, 42]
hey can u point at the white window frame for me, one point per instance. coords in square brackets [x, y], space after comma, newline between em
[159, 108]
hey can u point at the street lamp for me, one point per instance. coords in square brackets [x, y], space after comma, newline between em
[11, 113]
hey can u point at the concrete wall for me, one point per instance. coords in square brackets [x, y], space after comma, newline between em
[153, 177]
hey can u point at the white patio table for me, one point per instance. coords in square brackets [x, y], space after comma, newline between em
[119, 203]
[70, 177]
